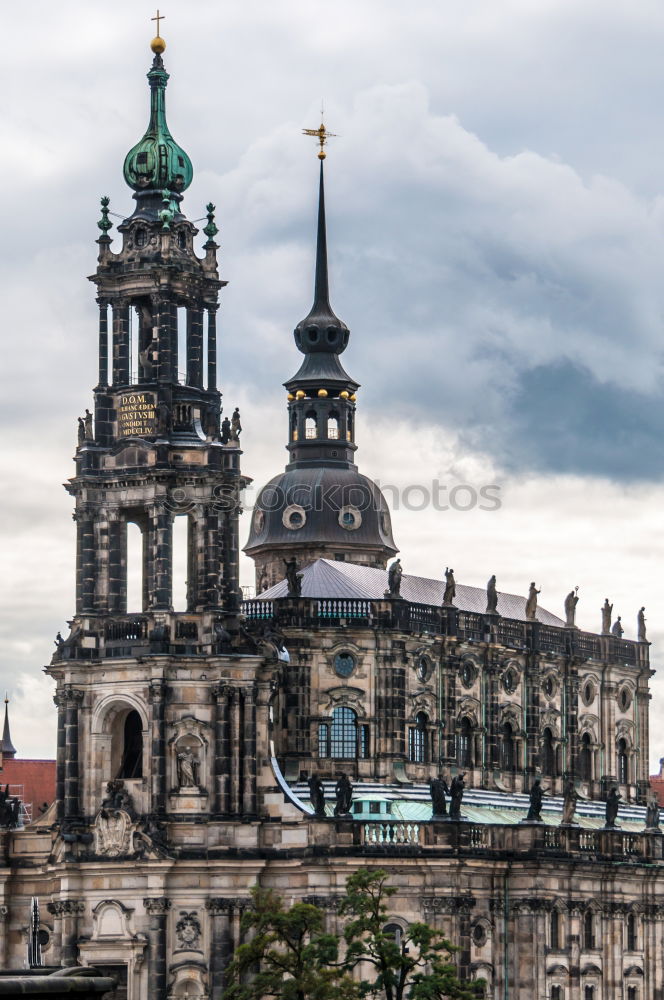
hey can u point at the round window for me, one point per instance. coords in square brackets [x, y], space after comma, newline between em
[588, 693]
[479, 935]
[294, 517]
[344, 664]
[467, 674]
[624, 699]
[510, 681]
[350, 518]
[423, 667]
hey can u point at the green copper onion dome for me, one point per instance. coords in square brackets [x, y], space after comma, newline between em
[157, 163]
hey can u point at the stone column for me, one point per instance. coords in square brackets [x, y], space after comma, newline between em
[158, 746]
[608, 723]
[212, 349]
[103, 343]
[4, 914]
[157, 907]
[195, 347]
[117, 565]
[235, 731]
[248, 754]
[70, 910]
[220, 944]
[85, 563]
[72, 701]
[159, 558]
[121, 360]
[101, 529]
[221, 695]
[212, 588]
[61, 754]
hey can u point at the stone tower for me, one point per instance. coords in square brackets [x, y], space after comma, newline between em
[321, 506]
[157, 709]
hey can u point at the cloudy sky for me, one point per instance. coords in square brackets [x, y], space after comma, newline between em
[496, 229]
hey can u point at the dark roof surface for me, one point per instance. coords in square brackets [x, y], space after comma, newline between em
[328, 578]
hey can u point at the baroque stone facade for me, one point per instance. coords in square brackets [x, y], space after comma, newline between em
[185, 738]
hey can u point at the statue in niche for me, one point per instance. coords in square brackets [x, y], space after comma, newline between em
[225, 430]
[317, 794]
[652, 813]
[437, 789]
[450, 588]
[188, 766]
[536, 797]
[456, 795]
[617, 629]
[236, 426]
[293, 578]
[87, 423]
[394, 579]
[612, 806]
[641, 625]
[531, 603]
[607, 611]
[570, 797]
[344, 795]
[491, 597]
[571, 602]
[81, 430]
[163, 418]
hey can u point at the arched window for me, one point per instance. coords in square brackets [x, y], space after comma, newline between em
[344, 733]
[548, 754]
[623, 763]
[131, 765]
[310, 429]
[465, 743]
[349, 426]
[589, 930]
[333, 426]
[417, 739]
[556, 993]
[589, 993]
[632, 943]
[555, 930]
[507, 754]
[586, 758]
[632, 993]
[395, 932]
[294, 426]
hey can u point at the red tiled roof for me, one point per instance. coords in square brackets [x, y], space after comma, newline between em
[33, 781]
[657, 785]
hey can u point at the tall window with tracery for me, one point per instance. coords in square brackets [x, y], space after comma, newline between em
[465, 743]
[417, 739]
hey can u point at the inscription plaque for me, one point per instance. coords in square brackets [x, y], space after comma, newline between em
[137, 414]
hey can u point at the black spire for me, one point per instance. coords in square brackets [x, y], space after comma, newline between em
[8, 748]
[321, 335]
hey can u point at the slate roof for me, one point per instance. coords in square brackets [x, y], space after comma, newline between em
[331, 579]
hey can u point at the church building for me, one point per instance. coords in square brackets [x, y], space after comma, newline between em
[352, 714]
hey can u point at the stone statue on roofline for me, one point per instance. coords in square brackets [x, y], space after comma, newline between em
[570, 796]
[536, 798]
[652, 813]
[571, 602]
[394, 575]
[437, 789]
[491, 597]
[641, 626]
[457, 789]
[531, 603]
[317, 794]
[612, 806]
[344, 795]
[450, 588]
[617, 629]
[607, 611]
[293, 578]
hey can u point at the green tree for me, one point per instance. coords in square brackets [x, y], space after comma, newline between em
[418, 966]
[288, 955]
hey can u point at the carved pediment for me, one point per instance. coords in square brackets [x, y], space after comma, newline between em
[351, 696]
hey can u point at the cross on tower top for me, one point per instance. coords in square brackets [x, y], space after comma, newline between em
[158, 18]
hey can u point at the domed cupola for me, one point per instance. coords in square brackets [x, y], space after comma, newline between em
[157, 168]
[321, 506]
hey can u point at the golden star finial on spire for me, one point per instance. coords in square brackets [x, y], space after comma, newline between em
[321, 134]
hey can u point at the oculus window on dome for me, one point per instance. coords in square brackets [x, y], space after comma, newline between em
[350, 518]
[423, 668]
[294, 517]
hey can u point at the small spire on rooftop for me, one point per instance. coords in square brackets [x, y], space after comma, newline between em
[8, 748]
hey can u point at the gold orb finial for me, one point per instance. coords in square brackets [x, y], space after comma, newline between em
[322, 135]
